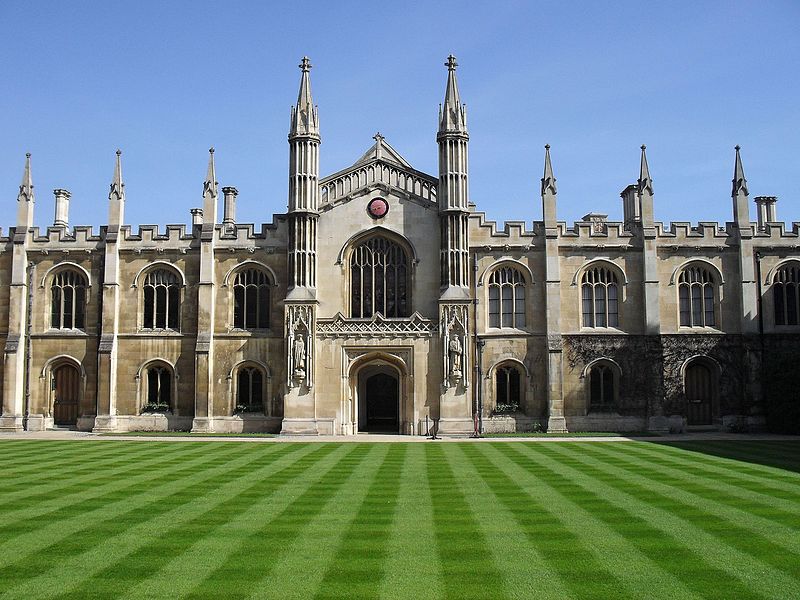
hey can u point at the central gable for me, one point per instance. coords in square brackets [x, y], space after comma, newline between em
[380, 167]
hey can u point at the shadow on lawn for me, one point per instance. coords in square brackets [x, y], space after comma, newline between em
[784, 454]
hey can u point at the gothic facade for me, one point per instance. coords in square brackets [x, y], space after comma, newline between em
[383, 300]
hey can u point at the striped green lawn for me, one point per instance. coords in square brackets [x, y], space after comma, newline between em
[128, 519]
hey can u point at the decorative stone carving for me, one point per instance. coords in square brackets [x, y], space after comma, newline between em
[453, 326]
[554, 342]
[376, 326]
[300, 346]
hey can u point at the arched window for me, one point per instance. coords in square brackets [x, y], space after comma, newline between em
[68, 301]
[507, 389]
[599, 294]
[161, 300]
[249, 389]
[696, 297]
[158, 390]
[507, 298]
[379, 279]
[251, 299]
[602, 386]
[786, 295]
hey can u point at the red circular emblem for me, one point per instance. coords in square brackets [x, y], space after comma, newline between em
[377, 208]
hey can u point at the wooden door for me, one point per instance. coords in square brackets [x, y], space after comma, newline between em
[699, 394]
[66, 384]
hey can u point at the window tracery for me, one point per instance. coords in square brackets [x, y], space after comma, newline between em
[786, 295]
[68, 300]
[599, 297]
[379, 279]
[697, 297]
[507, 298]
[161, 292]
[251, 298]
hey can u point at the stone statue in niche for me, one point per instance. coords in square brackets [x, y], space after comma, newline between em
[299, 355]
[455, 352]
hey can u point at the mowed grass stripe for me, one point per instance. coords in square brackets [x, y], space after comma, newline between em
[75, 498]
[592, 558]
[467, 566]
[57, 470]
[32, 459]
[709, 567]
[772, 453]
[77, 526]
[773, 516]
[111, 568]
[513, 527]
[717, 521]
[734, 473]
[215, 539]
[68, 491]
[754, 461]
[258, 552]
[412, 562]
[358, 565]
[319, 541]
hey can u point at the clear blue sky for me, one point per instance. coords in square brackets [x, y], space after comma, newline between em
[163, 81]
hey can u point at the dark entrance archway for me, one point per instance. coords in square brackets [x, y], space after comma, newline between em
[379, 406]
[66, 393]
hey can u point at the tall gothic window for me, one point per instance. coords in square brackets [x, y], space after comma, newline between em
[251, 299]
[379, 279]
[696, 297]
[161, 300]
[250, 389]
[507, 298]
[68, 300]
[599, 294]
[159, 387]
[602, 386]
[786, 295]
[507, 389]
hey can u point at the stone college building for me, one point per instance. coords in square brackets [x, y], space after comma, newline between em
[383, 300]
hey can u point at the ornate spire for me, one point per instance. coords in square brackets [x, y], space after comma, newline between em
[117, 191]
[26, 187]
[305, 119]
[739, 181]
[548, 180]
[210, 184]
[452, 114]
[645, 181]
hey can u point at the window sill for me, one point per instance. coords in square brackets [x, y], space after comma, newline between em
[160, 332]
[684, 329]
[65, 333]
[505, 332]
[603, 330]
[235, 331]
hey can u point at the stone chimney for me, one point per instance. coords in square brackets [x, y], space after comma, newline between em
[765, 205]
[631, 209]
[197, 216]
[62, 208]
[229, 208]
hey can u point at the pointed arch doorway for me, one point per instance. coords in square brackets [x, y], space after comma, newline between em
[378, 399]
[66, 395]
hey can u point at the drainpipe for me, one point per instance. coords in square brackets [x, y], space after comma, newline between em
[100, 287]
[28, 327]
[478, 348]
[759, 307]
